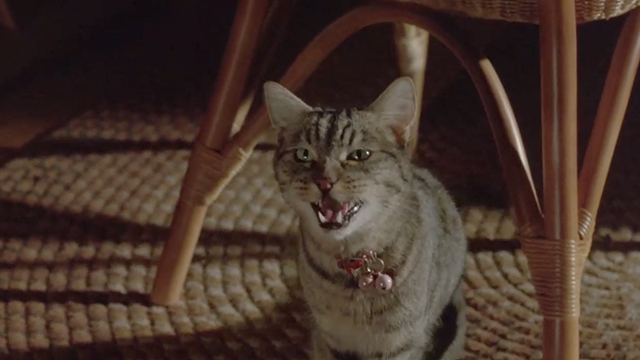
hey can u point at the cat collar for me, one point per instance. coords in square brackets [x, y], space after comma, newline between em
[368, 270]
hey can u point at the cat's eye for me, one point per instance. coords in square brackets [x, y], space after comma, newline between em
[303, 155]
[359, 155]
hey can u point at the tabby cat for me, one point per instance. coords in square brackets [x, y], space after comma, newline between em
[382, 247]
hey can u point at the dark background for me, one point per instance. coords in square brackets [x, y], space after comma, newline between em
[68, 56]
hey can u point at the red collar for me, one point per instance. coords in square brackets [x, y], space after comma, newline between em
[368, 269]
[352, 265]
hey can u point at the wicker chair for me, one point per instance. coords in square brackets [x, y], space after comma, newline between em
[556, 237]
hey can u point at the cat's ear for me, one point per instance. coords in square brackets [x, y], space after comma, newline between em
[285, 109]
[396, 108]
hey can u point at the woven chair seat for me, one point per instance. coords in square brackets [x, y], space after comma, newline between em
[526, 11]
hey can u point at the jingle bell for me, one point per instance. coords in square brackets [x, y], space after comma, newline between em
[384, 282]
[366, 282]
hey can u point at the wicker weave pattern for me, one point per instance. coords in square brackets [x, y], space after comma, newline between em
[526, 11]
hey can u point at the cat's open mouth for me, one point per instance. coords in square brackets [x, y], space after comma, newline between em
[334, 215]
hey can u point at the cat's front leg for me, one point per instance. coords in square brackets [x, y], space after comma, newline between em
[455, 349]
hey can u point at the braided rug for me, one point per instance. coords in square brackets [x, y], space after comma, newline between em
[84, 213]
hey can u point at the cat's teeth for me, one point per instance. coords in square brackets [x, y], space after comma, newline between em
[339, 218]
[356, 207]
[321, 217]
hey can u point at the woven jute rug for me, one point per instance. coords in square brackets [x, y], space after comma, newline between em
[84, 214]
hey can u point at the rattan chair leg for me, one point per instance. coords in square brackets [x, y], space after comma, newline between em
[412, 45]
[273, 32]
[210, 165]
[6, 16]
[611, 111]
[554, 261]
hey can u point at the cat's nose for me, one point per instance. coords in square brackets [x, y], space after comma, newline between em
[324, 184]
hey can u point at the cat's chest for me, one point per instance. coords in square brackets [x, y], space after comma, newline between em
[366, 323]
[353, 314]
[353, 309]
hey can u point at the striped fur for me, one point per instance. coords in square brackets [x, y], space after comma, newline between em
[407, 217]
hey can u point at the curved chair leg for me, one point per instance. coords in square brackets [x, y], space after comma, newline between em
[412, 45]
[611, 110]
[207, 165]
[502, 120]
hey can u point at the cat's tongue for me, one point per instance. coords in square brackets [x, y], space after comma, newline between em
[332, 210]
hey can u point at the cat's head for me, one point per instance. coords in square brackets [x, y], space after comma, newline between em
[341, 170]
